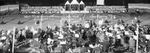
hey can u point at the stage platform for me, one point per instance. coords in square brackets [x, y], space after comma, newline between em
[74, 12]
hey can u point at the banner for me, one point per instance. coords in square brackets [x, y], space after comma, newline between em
[100, 2]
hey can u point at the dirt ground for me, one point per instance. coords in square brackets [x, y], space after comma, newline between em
[54, 19]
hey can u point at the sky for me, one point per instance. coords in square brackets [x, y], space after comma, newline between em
[61, 2]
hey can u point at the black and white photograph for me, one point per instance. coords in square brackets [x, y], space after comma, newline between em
[74, 26]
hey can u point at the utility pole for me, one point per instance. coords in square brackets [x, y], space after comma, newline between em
[41, 21]
[69, 21]
[137, 41]
[13, 42]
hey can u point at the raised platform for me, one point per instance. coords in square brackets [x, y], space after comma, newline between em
[74, 11]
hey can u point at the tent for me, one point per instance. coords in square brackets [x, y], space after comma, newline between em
[82, 5]
[74, 5]
[67, 6]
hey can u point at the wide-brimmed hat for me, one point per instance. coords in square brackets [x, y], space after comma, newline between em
[3, 38]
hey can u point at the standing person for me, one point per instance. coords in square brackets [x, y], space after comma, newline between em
[84, 49]
[132, 44]
[29, 34]
[148, 46]
[1, 45]
[106, 45]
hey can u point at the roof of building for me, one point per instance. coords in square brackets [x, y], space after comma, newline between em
[74, 2]
[67, 2]
[81, 2]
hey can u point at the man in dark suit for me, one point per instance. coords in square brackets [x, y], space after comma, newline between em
[148, 46]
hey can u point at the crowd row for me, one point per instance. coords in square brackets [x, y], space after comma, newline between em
[109, 9]
[41, 9]
[90, 37]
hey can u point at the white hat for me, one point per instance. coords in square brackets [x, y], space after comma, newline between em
[135, 37]
[32, 28]
[35, 32]
[127, 32]
[91, 46]
[121, 27]
[87, 25]
[100, 22]
[147, 37]
[49, 26]
[63, 42]
[57, 33]
[26, 27]
[135, 18]
[8, 32]
[1, 44]
[3, 38]
[77, 35]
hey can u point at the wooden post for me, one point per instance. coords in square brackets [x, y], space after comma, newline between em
[97, 19]
[137, 33]
[1, 18]
[13, 43]
[83, 18]
[69, 22]
[112, 17]
[60, 24]
[41, 21]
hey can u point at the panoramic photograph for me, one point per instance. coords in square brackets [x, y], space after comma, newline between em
[74, 26]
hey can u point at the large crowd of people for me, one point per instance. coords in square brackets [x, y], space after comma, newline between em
[77, 38]
[39, 9]
[106, 9]
[58, 9]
